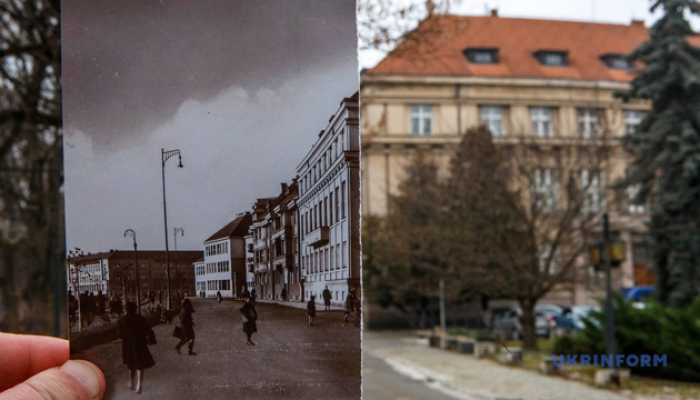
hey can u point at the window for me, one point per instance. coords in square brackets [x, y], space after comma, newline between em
[588, 124]
[552, 58]
[635, 206]
[616, 61]
[545, 190]
[421, 119]
[632, 120]
[492, 117]
[342, 199]
[592, 183]
[481, 56]
[541, 121]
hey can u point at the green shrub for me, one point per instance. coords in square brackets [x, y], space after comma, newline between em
[652, 330]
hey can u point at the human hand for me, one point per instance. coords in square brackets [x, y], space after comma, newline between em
[38, 368]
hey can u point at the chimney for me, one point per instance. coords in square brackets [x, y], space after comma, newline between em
[284, 187]
[637, 22]
[494, 12]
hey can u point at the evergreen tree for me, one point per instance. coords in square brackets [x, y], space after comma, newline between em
[667, 150]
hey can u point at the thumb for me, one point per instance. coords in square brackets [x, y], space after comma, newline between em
[74, 380]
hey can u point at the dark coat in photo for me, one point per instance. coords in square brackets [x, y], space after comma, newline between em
[136, 335]
[186, 320]
[250, 317]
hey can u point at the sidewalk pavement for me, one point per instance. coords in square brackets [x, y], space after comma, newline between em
[300, 304]
[465, 377]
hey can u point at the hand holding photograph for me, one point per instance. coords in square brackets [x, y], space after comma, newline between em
[202, 281]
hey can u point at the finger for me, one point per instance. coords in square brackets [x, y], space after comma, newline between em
[26, 355]
[74, 380]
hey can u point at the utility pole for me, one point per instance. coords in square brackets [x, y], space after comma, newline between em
[606, 253]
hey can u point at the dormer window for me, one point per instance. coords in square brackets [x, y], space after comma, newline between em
[481, 55]
[552, 58]
[616, 61]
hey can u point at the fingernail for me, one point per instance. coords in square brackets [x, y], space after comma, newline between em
[84, 373]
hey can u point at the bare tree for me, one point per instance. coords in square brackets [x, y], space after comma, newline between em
[30, 162]
[526, 209]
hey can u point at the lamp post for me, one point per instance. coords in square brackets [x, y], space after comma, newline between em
[175, 232]
[609, 312]
[130, 232]
[165, 155]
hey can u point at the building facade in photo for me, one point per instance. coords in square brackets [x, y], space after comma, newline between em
[224, 268]
[275, 246]
[552, 88]
[329, 207]
[114, 273]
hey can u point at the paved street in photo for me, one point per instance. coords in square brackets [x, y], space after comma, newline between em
[291, 360]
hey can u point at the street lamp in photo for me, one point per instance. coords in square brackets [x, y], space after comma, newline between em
[165, 155]
[132, 234]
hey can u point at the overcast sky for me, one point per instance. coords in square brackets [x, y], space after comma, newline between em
[607, 11]
[241, 87]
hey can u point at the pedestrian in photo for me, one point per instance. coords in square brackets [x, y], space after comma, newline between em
[249, 316]
[327, 296]
[253, 296]
[136, 335]
[218, 296]
[284, 294]
[349, 305]
[311, 309]
[187, 325]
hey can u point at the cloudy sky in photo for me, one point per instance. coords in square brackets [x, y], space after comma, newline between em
[241, 87]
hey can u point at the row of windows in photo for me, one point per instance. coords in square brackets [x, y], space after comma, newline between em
[545, 190]
[218, 248]
[211, 268]
[590, 120]
[329, 259]
[224, 284]
[324, 212]
[315, 172]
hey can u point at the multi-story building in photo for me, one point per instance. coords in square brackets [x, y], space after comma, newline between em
[224, 267]
[275, 246]
[114, 273]
[329, 207]
[547, 84]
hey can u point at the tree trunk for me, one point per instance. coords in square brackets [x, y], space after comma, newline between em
[527, 320]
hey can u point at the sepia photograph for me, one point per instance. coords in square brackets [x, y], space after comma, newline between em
[233, 270]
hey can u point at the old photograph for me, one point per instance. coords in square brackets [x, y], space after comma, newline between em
[233, 270]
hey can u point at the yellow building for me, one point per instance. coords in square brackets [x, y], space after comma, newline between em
[532, 82]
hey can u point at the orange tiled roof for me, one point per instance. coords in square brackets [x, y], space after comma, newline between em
[517, 40]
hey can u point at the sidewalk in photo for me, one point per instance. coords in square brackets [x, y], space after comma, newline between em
[301, 304]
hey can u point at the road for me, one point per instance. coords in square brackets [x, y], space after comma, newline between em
[291, 359]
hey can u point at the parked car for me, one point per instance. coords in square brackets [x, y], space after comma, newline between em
[507, 323]
[544, 318]
[638, 295]
[572, 318]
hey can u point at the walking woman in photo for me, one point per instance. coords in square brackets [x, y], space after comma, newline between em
[249, 317]
[136, 335]
[311, 308]
[187, 324]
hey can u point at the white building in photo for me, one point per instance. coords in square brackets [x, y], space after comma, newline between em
[200, 283]
[329, 207]
[89, 273]
[224, 266]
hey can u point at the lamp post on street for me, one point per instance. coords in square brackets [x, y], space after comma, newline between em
[165, 155]
[132, 233]
[175, 232]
